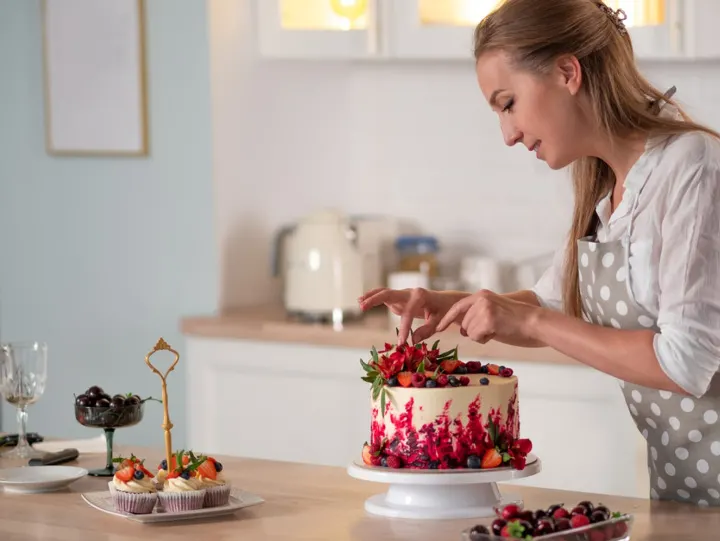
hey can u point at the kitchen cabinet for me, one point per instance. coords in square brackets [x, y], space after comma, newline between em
[443, 29]
[306, 403]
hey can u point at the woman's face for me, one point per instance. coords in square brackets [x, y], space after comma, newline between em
[540, 111]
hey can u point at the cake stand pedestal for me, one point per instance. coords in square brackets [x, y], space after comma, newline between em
[440, 494]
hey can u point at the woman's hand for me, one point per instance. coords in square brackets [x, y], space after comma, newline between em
[484, 316]
[412, 304]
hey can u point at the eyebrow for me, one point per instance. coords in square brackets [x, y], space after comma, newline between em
[494, 95]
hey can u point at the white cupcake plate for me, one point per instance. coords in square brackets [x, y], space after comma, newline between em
[239, 499]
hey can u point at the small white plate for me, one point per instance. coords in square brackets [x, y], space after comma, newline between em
[35, 479]
[239, 499]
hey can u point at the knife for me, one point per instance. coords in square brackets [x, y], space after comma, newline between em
[51, 459]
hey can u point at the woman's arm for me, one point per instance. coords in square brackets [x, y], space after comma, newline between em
[626, 354]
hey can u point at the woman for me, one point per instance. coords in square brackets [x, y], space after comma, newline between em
[635, 293]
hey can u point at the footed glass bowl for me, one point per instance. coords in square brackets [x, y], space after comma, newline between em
[108, 418]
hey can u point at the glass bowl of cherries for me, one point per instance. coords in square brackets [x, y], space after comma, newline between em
[585, 521]
[96, 409]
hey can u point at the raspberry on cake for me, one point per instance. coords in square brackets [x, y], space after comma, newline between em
[431, 410]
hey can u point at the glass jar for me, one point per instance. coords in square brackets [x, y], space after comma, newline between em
[418, 254]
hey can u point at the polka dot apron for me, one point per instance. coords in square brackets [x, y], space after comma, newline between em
[682, 432]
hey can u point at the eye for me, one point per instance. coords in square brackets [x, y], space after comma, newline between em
[509, 105]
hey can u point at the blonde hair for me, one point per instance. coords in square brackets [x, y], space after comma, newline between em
[535, 33]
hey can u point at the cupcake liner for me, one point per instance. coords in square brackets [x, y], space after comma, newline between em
[136, 503]
[174, 502]
[217, 496]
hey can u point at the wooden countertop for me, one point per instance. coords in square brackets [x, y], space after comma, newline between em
[270, 324]
[304, 502]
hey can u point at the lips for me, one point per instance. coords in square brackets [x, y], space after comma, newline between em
[536, 148]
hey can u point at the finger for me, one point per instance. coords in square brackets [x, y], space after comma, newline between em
[384, 296]
[478, 323]
[425, 331]
[455, 311]
[370, 293]
[417, 297]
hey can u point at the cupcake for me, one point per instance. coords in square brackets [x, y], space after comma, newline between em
[217, 488]
[132, 487]
[162, 472]
[181, 490]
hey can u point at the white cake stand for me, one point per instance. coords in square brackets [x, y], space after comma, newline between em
[440, 494]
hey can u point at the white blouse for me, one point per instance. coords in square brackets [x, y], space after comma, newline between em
[674, 261]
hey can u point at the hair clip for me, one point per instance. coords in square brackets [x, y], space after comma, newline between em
[616, 16]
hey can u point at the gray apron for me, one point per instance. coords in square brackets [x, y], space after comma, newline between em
[682, 432]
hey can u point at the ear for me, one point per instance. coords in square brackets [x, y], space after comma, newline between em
[569, 73]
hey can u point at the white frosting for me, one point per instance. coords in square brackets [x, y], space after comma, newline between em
[178, 484]
[134, 485]
[428, 403]
[207, 482]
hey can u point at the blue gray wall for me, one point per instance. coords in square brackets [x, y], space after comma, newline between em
[100, 257]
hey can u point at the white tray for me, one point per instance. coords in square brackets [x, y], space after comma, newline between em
[239, 499]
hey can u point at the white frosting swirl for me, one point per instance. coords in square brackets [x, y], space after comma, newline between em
[178, 484]
[134, 485]
[207, 482]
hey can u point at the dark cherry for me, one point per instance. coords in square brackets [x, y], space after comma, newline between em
[95, 392]
[497, 525]
[603, 509]
[478, 532]
[82, 400]
[117, 402]
[102, 403]
[588, 504]
[526, 515]
[580, 510]
[528, 527]
[562, 524]
[462, 369]
[132, 400]
[598, 516]
[539, 513]
[544, 526]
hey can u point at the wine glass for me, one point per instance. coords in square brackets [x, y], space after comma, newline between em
[23, 374]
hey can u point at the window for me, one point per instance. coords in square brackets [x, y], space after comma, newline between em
[323, 14]
[470, 12]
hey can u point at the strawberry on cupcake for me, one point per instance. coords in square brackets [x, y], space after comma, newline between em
[181, 490]
[132, 486]
[211, 478]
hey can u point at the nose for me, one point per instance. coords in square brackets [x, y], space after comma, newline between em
[511, 134]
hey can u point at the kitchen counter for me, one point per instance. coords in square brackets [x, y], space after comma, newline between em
[270, 324]
[305, 502]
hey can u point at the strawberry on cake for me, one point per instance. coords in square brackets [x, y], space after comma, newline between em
[430, 410]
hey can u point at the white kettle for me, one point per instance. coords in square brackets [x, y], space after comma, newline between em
[322, 267]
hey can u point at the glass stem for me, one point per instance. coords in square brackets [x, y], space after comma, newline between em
[22, 444]
[109, 443]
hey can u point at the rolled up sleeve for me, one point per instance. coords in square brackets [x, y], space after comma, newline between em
[688, 343]
[548, 289]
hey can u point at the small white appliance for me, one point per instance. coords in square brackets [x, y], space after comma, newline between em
[322, 266]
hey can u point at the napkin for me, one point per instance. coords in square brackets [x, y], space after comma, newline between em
[84, 446]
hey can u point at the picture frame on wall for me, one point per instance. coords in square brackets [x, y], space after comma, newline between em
[95, 78]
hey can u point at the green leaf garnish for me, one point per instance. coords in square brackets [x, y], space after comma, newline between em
[375, 355]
